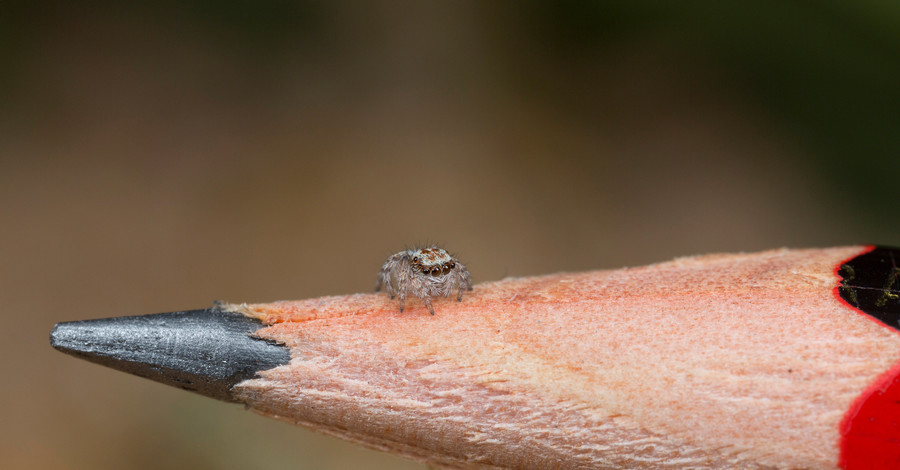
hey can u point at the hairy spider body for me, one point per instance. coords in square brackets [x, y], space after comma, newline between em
[424, 273]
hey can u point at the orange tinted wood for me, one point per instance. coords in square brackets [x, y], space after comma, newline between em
[718, 361]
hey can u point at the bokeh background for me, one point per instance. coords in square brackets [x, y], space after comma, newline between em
[157, 156]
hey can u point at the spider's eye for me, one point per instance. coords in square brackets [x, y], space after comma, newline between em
[415, 258]
[446, 269]
[435, 271]
[425, 271]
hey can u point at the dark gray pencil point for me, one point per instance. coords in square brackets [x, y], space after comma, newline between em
[204, 351]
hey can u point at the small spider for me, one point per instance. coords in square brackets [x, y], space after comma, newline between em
[423, 273]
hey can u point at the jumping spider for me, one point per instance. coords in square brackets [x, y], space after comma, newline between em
[423, 273]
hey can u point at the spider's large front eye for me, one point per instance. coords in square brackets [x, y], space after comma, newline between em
[446, 269]
[435, 271]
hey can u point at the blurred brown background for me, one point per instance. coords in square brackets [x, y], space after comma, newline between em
[160, 155]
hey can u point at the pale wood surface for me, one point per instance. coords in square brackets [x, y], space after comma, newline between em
[722, 361]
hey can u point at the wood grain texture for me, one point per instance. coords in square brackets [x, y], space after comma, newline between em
[721, 361]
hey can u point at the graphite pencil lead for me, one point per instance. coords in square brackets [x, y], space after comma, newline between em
[205, 351]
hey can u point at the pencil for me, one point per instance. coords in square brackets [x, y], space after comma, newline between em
[778, 359]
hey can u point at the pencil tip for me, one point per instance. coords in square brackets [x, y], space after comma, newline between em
[204, 351]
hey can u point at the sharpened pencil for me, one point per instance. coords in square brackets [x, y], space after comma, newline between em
[779, 359]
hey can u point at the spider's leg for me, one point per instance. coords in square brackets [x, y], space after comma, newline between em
[427, 301]
[386, 277]
[466, 280]
[390, 285]
[384, 281]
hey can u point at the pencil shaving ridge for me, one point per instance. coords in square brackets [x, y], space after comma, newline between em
[699, 361]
